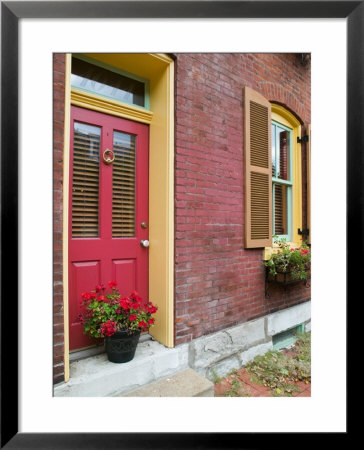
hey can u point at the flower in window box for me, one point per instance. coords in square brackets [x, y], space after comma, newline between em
[288, 263]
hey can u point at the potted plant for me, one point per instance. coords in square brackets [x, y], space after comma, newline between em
[119, 320]
[289, 264]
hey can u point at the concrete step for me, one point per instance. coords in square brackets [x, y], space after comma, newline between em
[187, 383]
[93, 351]
[97, 377]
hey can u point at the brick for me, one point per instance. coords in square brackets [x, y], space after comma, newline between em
[58, 348]
[58, 360]
[58, 371]
[58, 338]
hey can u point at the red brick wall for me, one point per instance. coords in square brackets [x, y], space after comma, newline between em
[58, 123]
[217, 282]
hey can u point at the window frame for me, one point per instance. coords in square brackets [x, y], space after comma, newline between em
[283, 116]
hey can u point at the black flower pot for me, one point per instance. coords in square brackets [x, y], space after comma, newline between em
[121, 346]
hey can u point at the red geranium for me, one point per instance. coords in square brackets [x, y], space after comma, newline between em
[99, 287]
[105, 313]
[108, 328]
[125, 303]
[151, 308]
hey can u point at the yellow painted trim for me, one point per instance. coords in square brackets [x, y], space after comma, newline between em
[297, 186]
[308, 175]
[283, 116]
[66, 160]
[161, 203]
[159, 70]
[163, 58]
[108, 106]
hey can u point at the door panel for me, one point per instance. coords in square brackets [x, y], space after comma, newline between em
[108, 200]
[124, 272]
[82, 275]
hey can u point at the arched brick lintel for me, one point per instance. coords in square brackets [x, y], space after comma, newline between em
[285, 98]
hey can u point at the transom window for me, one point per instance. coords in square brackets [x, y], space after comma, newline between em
[108, 82]
[282, 180]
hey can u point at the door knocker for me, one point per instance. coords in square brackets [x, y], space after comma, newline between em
[108, 156]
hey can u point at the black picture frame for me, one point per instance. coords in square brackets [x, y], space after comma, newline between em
[11, 12]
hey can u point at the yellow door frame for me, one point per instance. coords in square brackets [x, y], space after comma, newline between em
[159, 70]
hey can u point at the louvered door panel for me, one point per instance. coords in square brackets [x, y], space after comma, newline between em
[123, 204]
[85, 181]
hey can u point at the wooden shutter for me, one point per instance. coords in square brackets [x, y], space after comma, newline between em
[258, 170]
[308, 163]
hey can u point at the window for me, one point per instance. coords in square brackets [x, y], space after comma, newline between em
[289, 128]
[108, 81]
[282, 180]
[273, 179]
[288, 337]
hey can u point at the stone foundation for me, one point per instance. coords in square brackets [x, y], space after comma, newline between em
[220, 353]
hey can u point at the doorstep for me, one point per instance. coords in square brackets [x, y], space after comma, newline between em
[93, 351]
[97, 377]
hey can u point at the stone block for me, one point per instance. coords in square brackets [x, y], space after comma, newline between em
[168, 362]
[210, 349]
[288, 318]
[223, 368]
[247, 334]
[251, 353]
[183, 355]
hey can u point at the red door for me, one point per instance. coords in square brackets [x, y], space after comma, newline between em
[108, 209]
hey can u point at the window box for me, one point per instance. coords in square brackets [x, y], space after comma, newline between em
[286, 264]
[284, 279]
